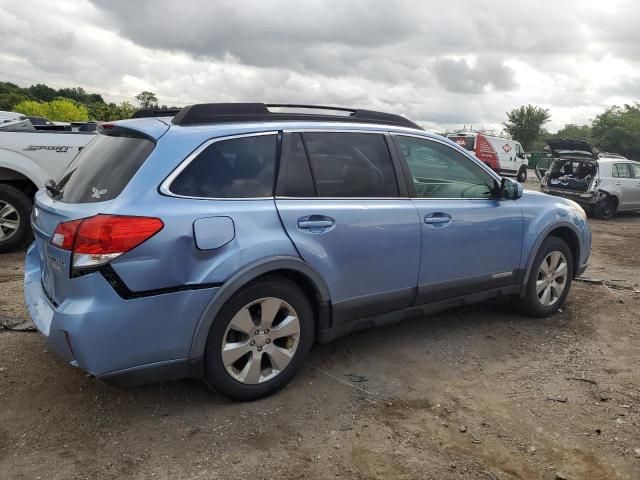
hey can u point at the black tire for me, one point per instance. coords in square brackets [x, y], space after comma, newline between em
[531, 304]
[216, 375]
[21, 205]
[522, 174]
[605, 208]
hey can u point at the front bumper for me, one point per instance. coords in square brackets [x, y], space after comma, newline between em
[108, 336]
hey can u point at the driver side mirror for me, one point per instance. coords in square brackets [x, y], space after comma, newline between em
[510, 189]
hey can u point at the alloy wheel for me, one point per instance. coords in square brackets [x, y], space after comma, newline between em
[261, 340]
[552, 278]
[9, 220]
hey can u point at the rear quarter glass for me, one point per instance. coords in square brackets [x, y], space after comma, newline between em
[103, 168]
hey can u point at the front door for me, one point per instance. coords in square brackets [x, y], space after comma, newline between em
[471, 242]
[343, 209]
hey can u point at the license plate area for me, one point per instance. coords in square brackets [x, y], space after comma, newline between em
[54, 271]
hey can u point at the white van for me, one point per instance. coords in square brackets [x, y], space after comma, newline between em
[503, 155]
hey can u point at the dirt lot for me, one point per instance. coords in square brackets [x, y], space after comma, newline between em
[478, 393]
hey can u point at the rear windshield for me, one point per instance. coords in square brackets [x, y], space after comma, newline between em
[103, 168]
[465, 142]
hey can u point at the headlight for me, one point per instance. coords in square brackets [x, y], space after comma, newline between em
[579, 210]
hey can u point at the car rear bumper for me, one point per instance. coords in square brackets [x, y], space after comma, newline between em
[142, 339]
[587, 199]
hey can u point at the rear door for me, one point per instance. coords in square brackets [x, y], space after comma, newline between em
[635, 170]
[341, 204]
[471, 242]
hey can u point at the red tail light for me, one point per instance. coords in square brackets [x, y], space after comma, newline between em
[65, 234]
[99, 239]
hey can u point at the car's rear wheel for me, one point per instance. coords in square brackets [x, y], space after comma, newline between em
[605, 208]
[522, 174]
[259, 340]
[550, 279]
[15, 209]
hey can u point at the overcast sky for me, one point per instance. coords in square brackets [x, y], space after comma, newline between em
[443, 64]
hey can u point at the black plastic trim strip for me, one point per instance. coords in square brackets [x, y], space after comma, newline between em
[49, 297]
[207, 113]
[125, 293]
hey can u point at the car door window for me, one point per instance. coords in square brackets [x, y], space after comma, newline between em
[351, 164]
[235, 168]
[294, 174]
[621, 170]
[635, 169]
[439, 171]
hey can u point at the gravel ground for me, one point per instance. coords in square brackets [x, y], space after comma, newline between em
[480, 393]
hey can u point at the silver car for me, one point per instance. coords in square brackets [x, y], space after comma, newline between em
[603, 183]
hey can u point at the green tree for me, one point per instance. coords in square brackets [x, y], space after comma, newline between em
[125, 110]
[525, 123]
[147, 99]
[60, 110]
[571, 130]
[11, 94]
[617, 130]
[31, 108]
[63, 110]
[76, 93]
[9, 100]
[42, 92]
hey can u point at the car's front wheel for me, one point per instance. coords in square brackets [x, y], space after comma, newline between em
[260, 340]
[550, 279]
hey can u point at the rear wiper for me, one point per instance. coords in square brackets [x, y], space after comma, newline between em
[52, 188]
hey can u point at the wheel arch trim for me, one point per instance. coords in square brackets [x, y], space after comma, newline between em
[241, 278]
[541, 238]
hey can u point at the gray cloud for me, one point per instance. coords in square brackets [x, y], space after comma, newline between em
[441, 65]
[459, 76]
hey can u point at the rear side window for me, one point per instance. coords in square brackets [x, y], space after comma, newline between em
[235, 168]
[621, 170]
[351, 165]
[103, 168]
[635, 168]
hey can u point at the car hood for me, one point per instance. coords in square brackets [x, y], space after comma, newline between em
[566, 147]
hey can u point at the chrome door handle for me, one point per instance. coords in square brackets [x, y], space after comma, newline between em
[314, 224]
[437, 218]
